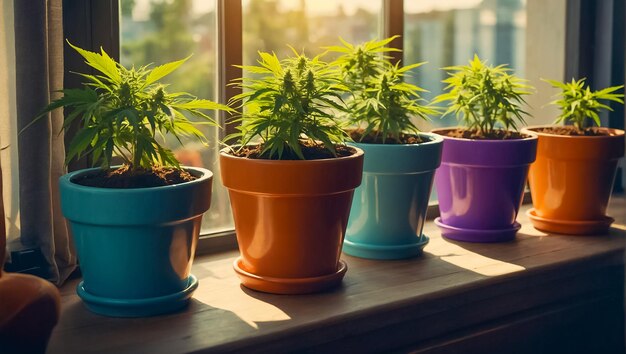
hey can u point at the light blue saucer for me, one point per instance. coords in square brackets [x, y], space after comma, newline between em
[138, 307]
[382, 252]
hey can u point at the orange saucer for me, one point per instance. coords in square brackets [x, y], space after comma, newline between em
[289, 285]
[570, 227]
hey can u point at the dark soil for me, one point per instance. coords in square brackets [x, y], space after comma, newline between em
[475, 134]
[373, 138]
[311, 151]
[124, 177]
[573, 131]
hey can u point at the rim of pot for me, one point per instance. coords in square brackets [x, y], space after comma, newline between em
[226, 153]
[530, 130]
[530, 136]
[67, 178]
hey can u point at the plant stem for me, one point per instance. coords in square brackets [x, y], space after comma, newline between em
[122, 155]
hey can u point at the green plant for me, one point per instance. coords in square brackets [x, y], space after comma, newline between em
[288, 102]
[381, 102]
[123, 111]
[578, 102]
[483, 96]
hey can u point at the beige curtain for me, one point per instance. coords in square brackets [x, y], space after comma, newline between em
[40, 148]
[8, 129]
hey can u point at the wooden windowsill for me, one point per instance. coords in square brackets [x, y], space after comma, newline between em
[541, 293]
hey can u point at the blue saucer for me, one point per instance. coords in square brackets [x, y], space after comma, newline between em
[382, 252]
[138, 307]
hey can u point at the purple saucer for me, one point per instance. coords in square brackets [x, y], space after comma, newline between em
[473, 235]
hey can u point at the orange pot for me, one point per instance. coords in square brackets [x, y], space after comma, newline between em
[571, 181]
[290, 218]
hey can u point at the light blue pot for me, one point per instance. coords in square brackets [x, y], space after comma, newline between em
[389, 207]
[135, 246]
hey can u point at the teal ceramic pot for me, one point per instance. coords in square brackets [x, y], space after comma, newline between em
[135, 246]
[389, 207]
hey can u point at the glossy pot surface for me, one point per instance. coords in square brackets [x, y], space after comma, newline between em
[290, 216]
[480, 183]
[135, 245]
[389, 207]
[573, 176]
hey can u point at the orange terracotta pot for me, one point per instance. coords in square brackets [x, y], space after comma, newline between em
[290, 218]
[571, 181]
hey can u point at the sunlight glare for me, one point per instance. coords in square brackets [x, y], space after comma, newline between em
[463, 258]
[618, 226]
[226, 294]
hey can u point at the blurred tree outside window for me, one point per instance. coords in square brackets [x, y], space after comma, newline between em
[306, 25]
[441, 32]
[449, 32]
[160, 31]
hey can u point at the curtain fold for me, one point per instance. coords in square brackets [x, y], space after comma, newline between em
[8, 128]
[41, 151]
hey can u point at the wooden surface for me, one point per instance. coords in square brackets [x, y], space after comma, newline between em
[539, 293]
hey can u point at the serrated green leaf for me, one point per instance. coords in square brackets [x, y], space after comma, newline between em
[270, 62]
[80, 142]
[201, 104]
[578, 102]
[163, 70]
[123, 110]
[411, 67]
[101, 62]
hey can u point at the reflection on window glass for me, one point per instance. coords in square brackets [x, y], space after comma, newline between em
[269, 25]
[160, 31]
[449, 32]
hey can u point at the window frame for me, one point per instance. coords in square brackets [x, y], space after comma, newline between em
[95, 23]
[230, 53]
[595, 41]
[91, 24]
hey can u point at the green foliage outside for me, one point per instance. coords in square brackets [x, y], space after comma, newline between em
[173, 31]
[268, 25]
[123, 111]
[578, 102]
[287, 101]
[484, 97]
[382, 103]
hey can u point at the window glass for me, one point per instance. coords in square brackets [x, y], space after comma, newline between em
[269, 25]
[160, 31]
[449, 32]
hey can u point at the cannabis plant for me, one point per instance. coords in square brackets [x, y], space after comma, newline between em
[287, 104]
[125, 111]
[484, 97]
[578, 102]
[381, 102]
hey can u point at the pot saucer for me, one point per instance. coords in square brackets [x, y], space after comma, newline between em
[153, 306]
[289, 285]
[570, 227]
[476, 235]
[382, 252]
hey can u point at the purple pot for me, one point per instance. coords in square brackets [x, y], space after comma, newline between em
[480, 185]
